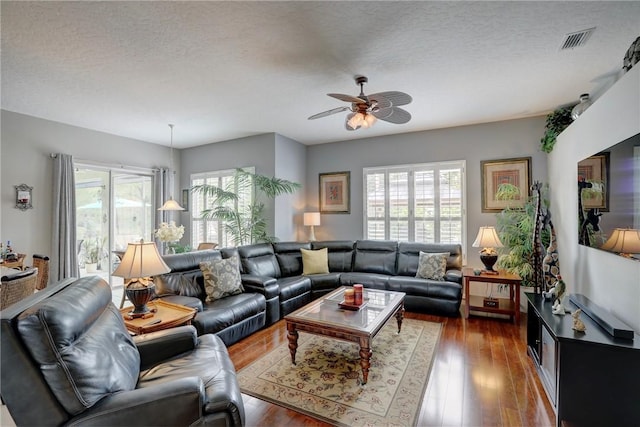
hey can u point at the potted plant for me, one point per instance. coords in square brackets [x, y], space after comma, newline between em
[557, 121]
[245, 223]
[91, 255]
[515, 229]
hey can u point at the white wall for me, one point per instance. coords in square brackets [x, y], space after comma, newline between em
[499, 140]
[27, 143]
[609, 280]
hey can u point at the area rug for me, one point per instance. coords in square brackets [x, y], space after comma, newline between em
[325, 382]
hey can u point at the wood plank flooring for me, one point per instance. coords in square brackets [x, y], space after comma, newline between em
[481, 376]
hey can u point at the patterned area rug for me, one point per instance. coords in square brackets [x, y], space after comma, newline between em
[325, 382]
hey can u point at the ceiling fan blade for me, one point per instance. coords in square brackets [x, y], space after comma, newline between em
[328, 113]
[346, 126]
[395, 97]
[393, 115]
[347, 98]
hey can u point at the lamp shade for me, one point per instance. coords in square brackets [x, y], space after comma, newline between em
[487, 238]
[171, 205]
[311, 218]
[141, 260]
[623, 240]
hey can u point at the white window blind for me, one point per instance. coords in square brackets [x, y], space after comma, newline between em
[416, 203]
[212, 230]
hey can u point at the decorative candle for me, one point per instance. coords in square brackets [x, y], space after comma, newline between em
[357, 294]
[349, 296]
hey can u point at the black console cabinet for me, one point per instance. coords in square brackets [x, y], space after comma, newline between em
[591, 378]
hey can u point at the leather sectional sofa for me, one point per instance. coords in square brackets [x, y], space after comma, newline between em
[275, 286]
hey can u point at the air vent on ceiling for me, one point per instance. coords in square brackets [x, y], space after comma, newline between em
[577, 39]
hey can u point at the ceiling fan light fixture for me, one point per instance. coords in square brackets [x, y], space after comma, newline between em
[356, 121]
[370, 119]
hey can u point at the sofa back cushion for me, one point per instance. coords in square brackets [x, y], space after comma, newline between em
[185, 277]
[78, 338]
[289, 257]
[375, 256]
[409, 253]
[259, 260]
[340, 254]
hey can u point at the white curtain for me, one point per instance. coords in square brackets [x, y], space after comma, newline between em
[163, 184]
[64, 259]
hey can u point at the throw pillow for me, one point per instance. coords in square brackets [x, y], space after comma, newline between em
[432, 265]
[221, 278]
[315, 262]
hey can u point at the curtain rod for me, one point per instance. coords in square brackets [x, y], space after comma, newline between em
[110, 165]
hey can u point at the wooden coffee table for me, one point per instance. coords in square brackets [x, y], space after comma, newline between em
[324, 317]
[167, 316]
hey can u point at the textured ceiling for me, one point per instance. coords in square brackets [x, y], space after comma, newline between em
[224, 70]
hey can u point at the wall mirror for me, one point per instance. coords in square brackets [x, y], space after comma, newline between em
[609, 199]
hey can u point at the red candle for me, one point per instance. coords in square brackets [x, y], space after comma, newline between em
[358, 294]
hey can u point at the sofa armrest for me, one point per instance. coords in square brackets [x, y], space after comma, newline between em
[453, 275]
[176, 402]
[264, 285]
[157, 346]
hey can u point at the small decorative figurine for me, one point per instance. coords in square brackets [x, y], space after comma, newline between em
[578, 324]
[559, 291]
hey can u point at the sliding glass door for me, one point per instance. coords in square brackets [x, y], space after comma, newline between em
[113, 207]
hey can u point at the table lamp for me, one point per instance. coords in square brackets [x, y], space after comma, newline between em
[311, 219]
[625, 241]
[140, 261]
[488, 240]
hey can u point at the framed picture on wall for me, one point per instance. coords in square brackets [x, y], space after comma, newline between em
[595, 169]
[334, 193]
[509, 175]
[185, 199]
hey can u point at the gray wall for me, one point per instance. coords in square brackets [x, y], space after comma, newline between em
[256, 151]
[500, 140]
[27, 143]
[608, 279]
[290, 165]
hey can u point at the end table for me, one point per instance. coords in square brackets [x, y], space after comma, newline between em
[167, 315]
[510, 306]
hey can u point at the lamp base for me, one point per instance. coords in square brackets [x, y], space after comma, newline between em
[489, 261]
[140, 294]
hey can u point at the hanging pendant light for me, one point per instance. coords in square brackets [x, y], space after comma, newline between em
[170, 204]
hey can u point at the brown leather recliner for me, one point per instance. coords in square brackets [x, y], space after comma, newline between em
[67, 359]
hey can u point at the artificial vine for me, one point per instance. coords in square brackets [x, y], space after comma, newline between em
[556, 123]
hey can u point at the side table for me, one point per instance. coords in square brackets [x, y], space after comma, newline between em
[167, 316]
[510, 306]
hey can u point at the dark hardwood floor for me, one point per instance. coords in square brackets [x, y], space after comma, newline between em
[481, 376]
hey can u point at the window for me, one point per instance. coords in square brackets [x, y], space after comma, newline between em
[213, 230]
[417, 203]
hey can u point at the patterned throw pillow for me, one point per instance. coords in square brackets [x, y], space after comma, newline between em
[432, 265]
[315, 262]
[221, 278]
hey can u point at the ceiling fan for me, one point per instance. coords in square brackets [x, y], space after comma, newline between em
[365, 110]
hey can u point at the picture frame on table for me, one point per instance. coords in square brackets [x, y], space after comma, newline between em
[595, 169]
[515, 171]
[334, 191]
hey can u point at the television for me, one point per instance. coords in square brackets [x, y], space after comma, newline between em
[609, 198]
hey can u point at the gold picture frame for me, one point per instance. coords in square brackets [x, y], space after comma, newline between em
[516, 171]
[334, 191]
[595, 169]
